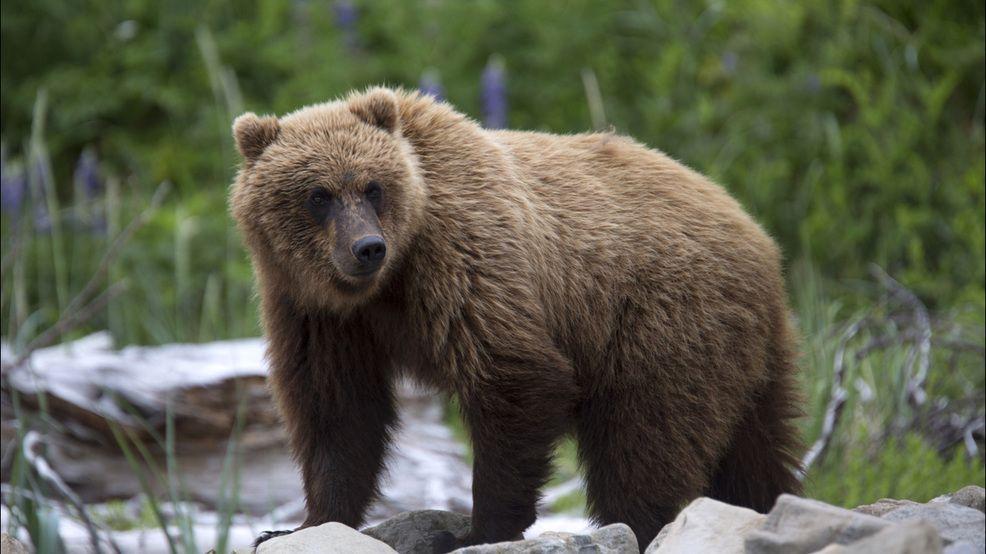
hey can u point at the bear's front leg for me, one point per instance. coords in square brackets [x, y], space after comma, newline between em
[335, 395]
[516, 412]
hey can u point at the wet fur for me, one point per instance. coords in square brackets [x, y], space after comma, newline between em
[577, 284]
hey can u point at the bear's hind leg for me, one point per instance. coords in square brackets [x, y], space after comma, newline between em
[635, 472]
[762, 461]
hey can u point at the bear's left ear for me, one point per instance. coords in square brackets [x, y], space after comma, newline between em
[254, 134]
[377, 107]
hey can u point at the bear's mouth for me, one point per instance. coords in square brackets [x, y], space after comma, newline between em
[365, 275]
[355, 283]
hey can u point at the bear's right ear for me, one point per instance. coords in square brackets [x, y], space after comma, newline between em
[254, 134]
[378, 107]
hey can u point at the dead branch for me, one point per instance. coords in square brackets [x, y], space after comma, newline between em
[837, 401]
[920, 356]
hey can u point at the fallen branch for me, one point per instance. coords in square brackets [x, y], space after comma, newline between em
[837, 401]
[921, 355]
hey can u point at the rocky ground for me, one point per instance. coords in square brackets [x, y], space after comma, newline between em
[88, 383]
[950, 524]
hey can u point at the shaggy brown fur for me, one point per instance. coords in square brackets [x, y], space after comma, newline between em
[554, 284]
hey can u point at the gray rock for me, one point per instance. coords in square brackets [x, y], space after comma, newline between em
[883, 506]
[540, 545]
[612, 539]
[955, 522]
[707, 525]
[413, 532]
[328, 538]
[971, 496]
[962, 548]
[615, 538]
[912, 537]
[10, 545]
[799, 525]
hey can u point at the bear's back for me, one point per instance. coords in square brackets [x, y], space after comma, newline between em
[608, 186]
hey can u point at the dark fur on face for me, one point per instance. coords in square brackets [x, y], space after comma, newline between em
[578, 284]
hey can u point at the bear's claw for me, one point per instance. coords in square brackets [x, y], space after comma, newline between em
[267, 535]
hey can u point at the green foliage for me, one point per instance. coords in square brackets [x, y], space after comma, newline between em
[853, 130]
[907, 468]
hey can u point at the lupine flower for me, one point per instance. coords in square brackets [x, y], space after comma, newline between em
[431, 85]
[494, 94]
[730, 63]
[87, 176]
[41, 182]
[42, 221]
[13, 189]
[346, 18]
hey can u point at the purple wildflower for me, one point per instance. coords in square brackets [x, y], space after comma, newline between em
[494, 94]
[42, 221]
[13, 189]
[431, 85]
[87, 175]
[346, 19]
[730, 63]
[98, 225]
[41, 181]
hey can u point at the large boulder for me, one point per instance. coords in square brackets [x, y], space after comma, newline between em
[800, 526]
[952, 524]
[955, 523]
[958, 517]
[415, 532]
[913, 537]
[328, 538]
[707, 525]
[612, 539]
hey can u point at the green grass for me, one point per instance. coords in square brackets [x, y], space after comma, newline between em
[901, 468]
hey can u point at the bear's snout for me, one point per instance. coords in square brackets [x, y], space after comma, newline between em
[369, 252]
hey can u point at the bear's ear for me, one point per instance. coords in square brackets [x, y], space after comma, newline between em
[254, 134]
[377, 107]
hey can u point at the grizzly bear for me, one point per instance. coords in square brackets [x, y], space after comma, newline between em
[579, 284]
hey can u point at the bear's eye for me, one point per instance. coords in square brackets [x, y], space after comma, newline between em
[374, 194]
[318, 204]
[319, 197]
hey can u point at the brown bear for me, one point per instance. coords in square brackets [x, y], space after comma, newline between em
[580, 284]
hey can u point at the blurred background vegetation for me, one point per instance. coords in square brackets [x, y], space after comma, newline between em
[853, 130]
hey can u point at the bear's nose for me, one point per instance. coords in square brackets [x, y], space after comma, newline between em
[370, 250]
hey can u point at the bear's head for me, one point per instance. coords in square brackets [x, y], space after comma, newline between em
[328, 198]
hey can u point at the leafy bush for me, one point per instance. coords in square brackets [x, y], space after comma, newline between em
[852, 130]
